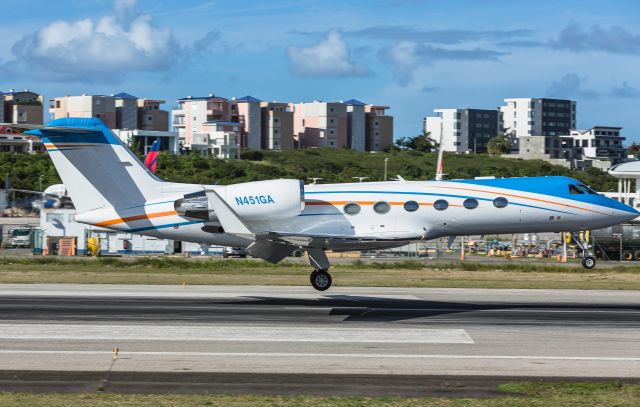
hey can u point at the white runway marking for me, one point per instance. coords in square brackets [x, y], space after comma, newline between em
[323, 355]
[232, 333]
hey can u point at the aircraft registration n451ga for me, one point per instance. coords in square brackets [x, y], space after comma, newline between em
[112, 189]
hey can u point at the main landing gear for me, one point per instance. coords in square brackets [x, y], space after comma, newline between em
[320, 277]
[320, 280]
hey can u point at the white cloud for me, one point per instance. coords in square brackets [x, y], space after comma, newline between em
[406, 57]
[330, 57]
[104, 49]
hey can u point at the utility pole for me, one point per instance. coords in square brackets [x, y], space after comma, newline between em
[386, 163]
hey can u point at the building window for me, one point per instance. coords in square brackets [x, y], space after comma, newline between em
[331, 121]
[381, 207]
[331, 132]
[352, 208]
[276, 120]
[411, 206]
[149, 118]
[470, 203]
[57, 104]
[98, 115]
[440, 205]
[500, 202]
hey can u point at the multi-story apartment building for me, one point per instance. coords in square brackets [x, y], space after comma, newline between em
[320, 124]
[247, 111]
[463, 130]
[99, 106]
[357, 125]
[138, 122]
[277, 126]
[378, 128]
[150, 116]
[193, 113]
[21, 107]
[538, 116]
[126, 111]
[600, 145]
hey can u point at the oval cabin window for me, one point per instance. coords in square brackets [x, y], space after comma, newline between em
[352, 208]
[441, 205]
[381, 207]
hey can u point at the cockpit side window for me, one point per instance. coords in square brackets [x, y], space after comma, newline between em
[573, 189]
[589, 190]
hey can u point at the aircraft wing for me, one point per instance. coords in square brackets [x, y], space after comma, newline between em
[274, 246]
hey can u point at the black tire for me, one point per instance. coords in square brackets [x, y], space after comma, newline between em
[636, 254]
[627, 255]
[225, 256]
[589, 262]
[320, 280]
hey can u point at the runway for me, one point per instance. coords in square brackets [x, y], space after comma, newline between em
[356, 332]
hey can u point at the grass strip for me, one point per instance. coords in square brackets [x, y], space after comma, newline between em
[524, 394]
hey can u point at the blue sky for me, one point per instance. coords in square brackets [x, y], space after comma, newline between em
[411, 55]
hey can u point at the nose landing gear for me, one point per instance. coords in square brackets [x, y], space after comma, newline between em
[320, 277]
[588, 260]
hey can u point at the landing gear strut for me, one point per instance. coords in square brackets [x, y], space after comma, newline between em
[320, 277]
[588, 261]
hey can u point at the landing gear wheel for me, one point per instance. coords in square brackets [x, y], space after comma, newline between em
[320, 280]
[588, 263]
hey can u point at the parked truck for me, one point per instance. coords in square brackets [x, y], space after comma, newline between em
[20, 237]
[608, 242]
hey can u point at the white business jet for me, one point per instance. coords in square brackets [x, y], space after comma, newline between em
[111, 188]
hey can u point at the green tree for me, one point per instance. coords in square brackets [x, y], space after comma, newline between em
[423, 143]
[499, 145]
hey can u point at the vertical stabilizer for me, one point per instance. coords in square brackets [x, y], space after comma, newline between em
[97, 169]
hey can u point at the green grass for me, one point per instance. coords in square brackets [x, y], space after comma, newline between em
[524, 394]
[408, 273]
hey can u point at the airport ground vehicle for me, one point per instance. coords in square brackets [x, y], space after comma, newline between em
[20, 237]
[230, 251]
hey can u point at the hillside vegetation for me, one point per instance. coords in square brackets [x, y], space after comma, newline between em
[339, 165]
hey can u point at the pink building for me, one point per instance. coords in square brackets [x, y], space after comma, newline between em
[320, 124]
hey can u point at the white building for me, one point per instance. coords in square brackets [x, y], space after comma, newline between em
[142, 140]
[538, 116]
[601, 145]
[463, 130]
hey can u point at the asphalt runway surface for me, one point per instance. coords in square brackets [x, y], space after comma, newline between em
[290, 340]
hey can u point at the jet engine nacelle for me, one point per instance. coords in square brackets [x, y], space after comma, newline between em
[265, 200]
[252, 201]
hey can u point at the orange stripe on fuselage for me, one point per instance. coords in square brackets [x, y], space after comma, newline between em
[136, 217]
[522, 197]
[318, 203]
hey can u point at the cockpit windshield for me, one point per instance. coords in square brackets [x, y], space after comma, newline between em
[581, 189]
[588, 189]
